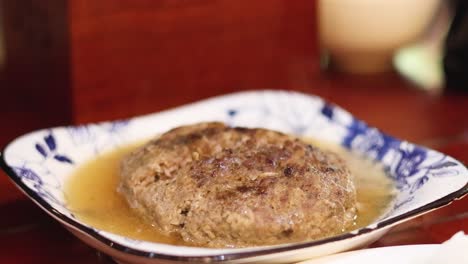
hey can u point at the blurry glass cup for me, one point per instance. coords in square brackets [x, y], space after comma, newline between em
[361, 36]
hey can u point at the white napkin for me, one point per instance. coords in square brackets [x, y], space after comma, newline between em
[454, 250]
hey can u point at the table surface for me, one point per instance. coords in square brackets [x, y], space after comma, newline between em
[439, 121]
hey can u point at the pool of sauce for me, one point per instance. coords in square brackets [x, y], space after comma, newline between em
[91, 194]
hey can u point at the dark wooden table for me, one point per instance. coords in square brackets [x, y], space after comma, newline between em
[90, 60]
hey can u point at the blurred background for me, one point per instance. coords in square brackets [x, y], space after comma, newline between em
[399, 65]
[65, 62]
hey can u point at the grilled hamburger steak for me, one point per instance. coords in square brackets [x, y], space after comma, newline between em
[218, 186]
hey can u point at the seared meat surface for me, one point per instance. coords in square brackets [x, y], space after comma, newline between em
[219, 186]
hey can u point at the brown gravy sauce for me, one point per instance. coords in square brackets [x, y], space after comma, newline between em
[91, 194]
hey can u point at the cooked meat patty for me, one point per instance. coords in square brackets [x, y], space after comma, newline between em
[219, 186]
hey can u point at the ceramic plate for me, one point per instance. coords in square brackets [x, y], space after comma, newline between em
[40, 162]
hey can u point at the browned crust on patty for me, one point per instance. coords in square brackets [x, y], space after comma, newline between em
[219, 186]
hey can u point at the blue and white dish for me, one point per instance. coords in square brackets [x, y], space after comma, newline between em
[39, 163]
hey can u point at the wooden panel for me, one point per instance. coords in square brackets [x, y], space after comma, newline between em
[35, 78]
[127, 55]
